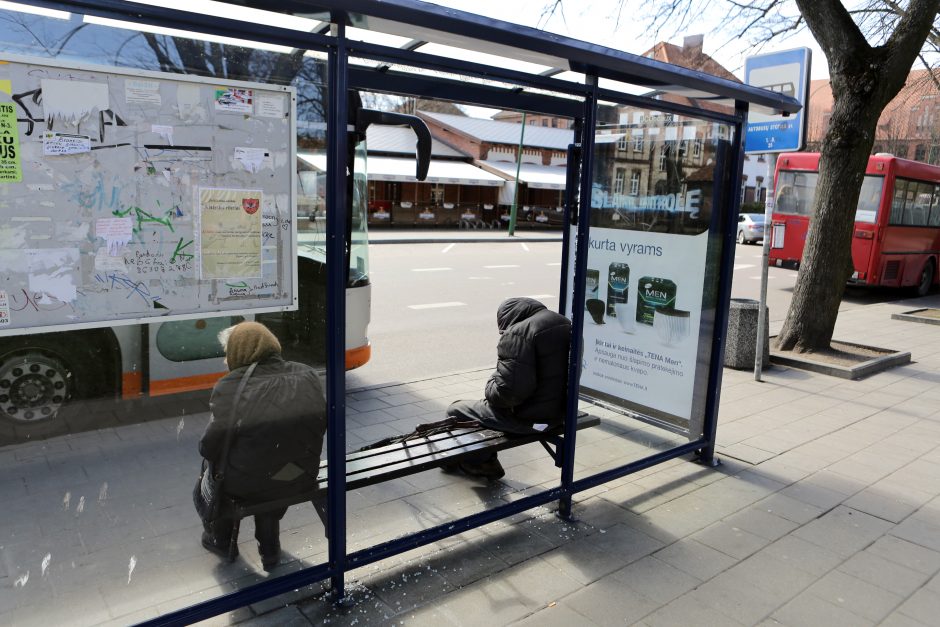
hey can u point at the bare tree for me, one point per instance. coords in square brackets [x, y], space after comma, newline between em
[870, 51]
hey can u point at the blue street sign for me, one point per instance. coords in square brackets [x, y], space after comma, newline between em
[787, 73]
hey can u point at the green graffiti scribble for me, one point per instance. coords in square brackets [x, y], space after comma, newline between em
[239, 284]
[142, 217]
[180, 246]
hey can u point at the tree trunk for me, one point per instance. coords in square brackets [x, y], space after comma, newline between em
[827, 255]
[864, 79]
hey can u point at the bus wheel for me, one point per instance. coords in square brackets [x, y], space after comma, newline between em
[926, 278]
[36, 385]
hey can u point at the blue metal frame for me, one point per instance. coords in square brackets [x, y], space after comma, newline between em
[595, 62]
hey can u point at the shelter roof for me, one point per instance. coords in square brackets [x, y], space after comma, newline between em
[496, 132]
[535, 175]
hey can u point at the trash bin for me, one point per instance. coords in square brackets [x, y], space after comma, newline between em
[741, 344]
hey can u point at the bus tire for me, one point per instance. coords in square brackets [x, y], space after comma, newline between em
[41, 379]
[926, 278]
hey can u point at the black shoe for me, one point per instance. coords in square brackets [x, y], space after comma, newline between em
[489, 469]
[210, 544]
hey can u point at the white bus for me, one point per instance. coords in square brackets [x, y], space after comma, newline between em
[43, 376]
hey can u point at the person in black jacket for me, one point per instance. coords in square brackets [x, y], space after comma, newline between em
[529, 385]
[279, 423]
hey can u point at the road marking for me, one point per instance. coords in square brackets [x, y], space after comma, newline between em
[437, 305]
[479, 278]
[448, 247]
[430, 269]
[553, 263]
[538, 296]
[739, 266]
[757, 278]
[524, 247]
[506, 266]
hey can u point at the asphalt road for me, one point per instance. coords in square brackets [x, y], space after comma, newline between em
[434, 305]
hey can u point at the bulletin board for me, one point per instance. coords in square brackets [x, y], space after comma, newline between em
[130, 196]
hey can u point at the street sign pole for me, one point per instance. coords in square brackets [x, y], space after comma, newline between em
[764, 270]
[515, 192]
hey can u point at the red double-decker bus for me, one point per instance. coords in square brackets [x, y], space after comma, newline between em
[896, 239]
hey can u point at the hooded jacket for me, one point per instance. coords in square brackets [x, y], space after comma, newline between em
[276, 449]
[530, 381]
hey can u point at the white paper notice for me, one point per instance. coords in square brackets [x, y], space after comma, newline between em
[4, 309]
[72, 101]
[53, 273]
[165, 132]
[253, 159]
[271, 106]
[64, 144]
[116, 232]
[106, 262]
[142, 92]
[189, 105]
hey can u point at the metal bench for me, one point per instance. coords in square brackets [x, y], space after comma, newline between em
[365, 468]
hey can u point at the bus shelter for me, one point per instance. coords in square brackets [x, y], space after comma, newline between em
[650, 211]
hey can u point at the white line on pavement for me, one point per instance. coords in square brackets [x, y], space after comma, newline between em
[479, 278]
[524, 246]
[506, 266]
[553, 263]
[757, 278]
[739, 266]
[437, 305]
[448, 247]
[538, 296]
[430, 269]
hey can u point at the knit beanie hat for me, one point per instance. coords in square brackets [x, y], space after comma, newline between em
[248, 342]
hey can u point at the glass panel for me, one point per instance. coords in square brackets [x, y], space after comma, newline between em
[920, 210]
[869, 199]
[654, 259]
[103, 431]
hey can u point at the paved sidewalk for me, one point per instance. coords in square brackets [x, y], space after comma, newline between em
[826, 511]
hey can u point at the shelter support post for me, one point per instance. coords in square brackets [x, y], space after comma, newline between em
[577, 313]
[337, 139]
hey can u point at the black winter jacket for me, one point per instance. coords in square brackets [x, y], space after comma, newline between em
[276, 450]
[530, 381]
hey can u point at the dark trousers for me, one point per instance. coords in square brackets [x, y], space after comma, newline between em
[267, 530]
[481, 412]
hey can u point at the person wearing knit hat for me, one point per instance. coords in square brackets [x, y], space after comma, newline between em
[279, 421]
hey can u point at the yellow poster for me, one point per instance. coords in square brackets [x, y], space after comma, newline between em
[11, 169]
[229, 233]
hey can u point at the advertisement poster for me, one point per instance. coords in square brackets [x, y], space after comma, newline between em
[10, 169]
[234, 100]
[643, 303]
[229, 233]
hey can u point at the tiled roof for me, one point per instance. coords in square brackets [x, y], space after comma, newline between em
[495, 132]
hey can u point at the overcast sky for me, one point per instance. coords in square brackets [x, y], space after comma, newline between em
[595, 21]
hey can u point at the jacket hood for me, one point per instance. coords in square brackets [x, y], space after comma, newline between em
[514, 310]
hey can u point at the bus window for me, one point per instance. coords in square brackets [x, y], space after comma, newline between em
[189, 340]
[869, 199]
[358, 237]
[897, 203]
[921, 208]
[797, 190]
[934, 219]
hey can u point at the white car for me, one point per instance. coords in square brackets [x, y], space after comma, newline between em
[750, 228]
